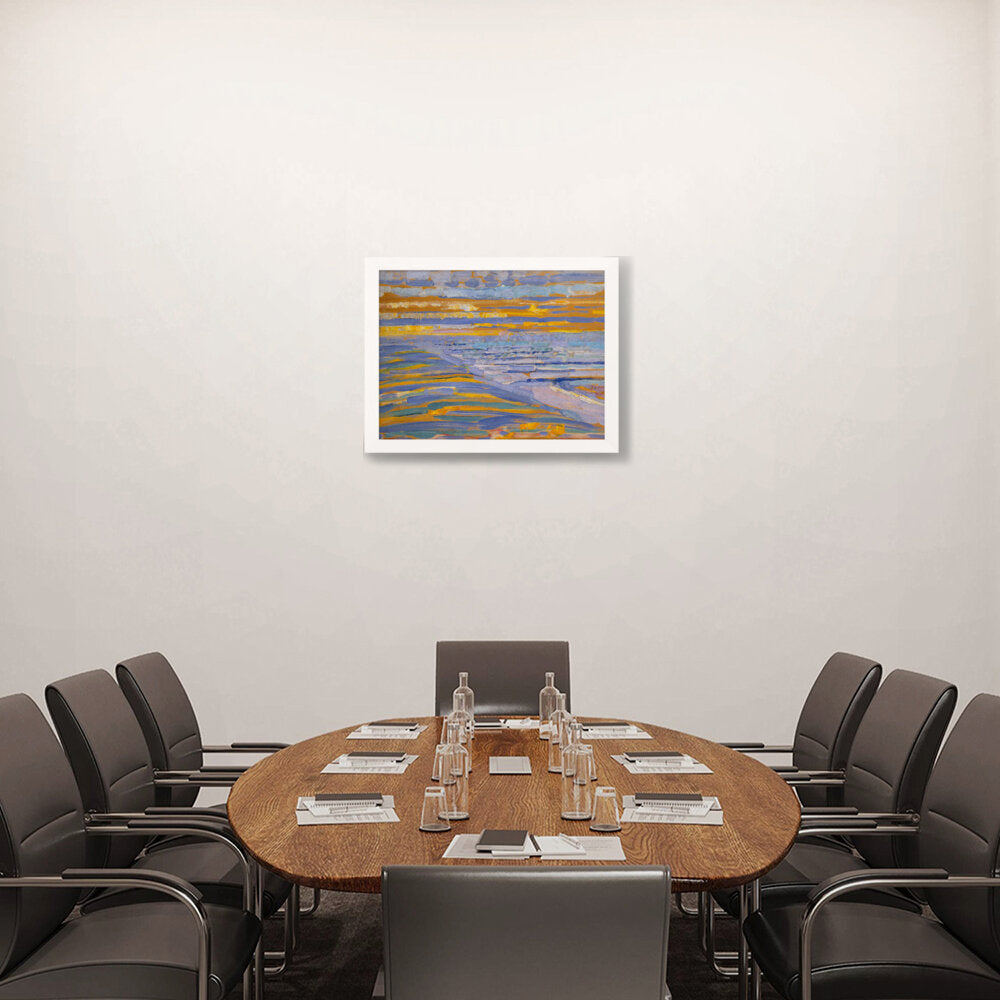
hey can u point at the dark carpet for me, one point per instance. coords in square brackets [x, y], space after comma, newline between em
[340, 951]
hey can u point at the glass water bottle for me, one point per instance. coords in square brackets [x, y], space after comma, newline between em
[547, 704]
[559, 722]
[462, 697]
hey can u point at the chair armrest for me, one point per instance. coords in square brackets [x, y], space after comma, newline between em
[843, 822]
[208, 779]
[758, 748]
[223, 769]
[194, 812]
[845, 814]
[852, 825]
[846, 881]
[113, 877]
[835, 825]
[814, 778]
[245, 748]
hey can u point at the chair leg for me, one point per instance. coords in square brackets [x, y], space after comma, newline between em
[718, 960]
[742, 973]
[310, 910]
[754, 967]
[283, 958]
[258, 958]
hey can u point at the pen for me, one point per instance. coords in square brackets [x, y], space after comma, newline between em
[569, 839]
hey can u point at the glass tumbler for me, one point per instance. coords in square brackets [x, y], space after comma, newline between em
[431, 820]
[455, 782]
[439, 752]
[606, 817]
[577, 795]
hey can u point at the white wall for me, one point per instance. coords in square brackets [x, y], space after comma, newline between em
[799, 193]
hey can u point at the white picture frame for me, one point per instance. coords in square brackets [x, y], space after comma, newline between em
[504, 377]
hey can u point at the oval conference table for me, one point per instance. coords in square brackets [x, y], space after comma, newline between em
[760, 810]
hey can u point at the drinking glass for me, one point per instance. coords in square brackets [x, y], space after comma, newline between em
[577, 796]
[455, 782]
[606, 817]
[593, 762]
[465, 722]
[431, 816]
[439, 752]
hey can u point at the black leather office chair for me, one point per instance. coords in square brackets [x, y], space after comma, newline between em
[854, 950]
[828, 722]
[886, 775]
[111, 764]
[178, 946]
[498, 933]
[169, 724]
[505, 676]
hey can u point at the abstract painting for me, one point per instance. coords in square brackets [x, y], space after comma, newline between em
[491, 354]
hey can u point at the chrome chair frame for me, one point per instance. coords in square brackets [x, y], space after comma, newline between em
[127, 824]
[226, 778]
[888, 878]
[829, 825]
[126, 878]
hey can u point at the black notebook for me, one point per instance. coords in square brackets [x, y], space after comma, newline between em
[396, 756]
[502, 840]
[390, 724]
[651, 754]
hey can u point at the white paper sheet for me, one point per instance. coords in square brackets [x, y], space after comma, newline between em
[336, 767]
[652, 814]
[669, 765]
[386, 813]
[384, 733]
[618, 733]
[463, 847]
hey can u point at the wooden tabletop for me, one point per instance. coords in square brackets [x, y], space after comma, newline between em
[761, 813]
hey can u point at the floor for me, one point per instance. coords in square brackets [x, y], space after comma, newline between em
[340, 952]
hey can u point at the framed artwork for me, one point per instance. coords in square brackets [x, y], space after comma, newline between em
[491, 354]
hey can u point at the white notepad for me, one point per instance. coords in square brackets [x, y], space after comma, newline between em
[709, 814]
[666, 765]
[385, 733]
[309, 813]
[615, 733]
[510, 765]
[463, 847]
[339, 767]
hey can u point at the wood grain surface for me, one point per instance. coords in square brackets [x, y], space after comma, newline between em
[761, 811]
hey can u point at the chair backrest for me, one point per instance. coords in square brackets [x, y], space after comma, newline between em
[960, 826]
[892, 756]
[505, 676]
[497, 933]
[108, 756]
[830, 718]
[166, 718]
[41, 827]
